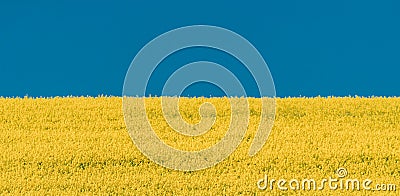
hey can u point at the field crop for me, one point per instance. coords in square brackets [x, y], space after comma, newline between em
[80, 145]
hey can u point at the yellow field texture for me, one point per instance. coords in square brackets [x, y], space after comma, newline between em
[79, 145]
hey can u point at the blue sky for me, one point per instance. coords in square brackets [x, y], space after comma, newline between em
[340, 48]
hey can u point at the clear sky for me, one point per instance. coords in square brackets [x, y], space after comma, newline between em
[340, 48]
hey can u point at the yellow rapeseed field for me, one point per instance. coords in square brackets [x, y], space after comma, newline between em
[76, 145]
